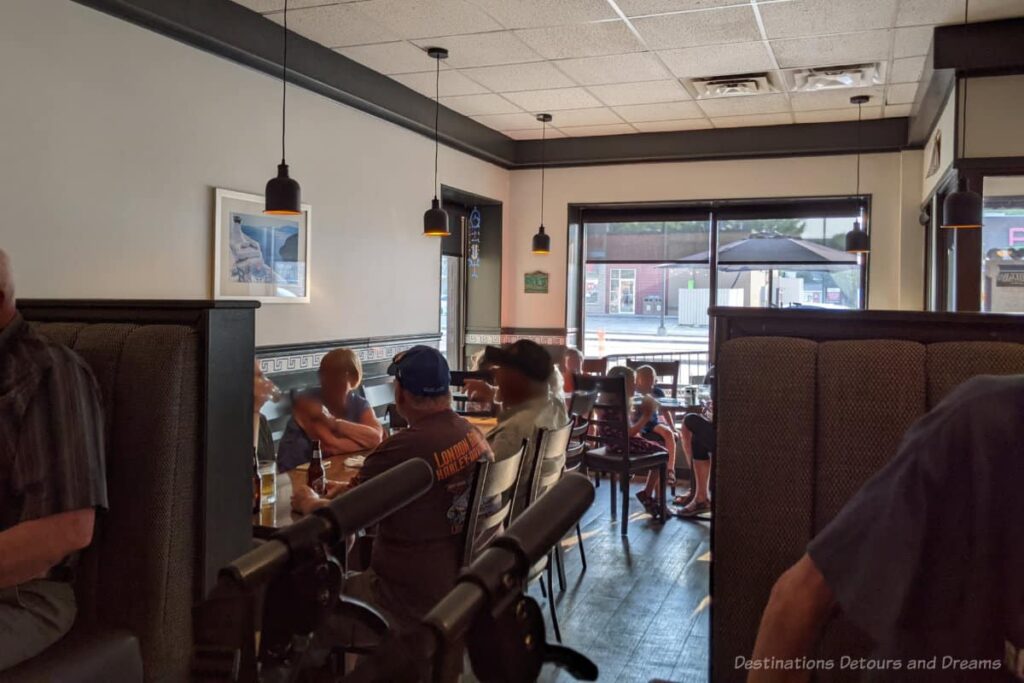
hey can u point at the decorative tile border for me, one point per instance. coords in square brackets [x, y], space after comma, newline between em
[310, 360]
[542, 339]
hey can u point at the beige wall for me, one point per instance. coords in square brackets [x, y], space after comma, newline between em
[995, 116]
[113, 138]
[893, 180]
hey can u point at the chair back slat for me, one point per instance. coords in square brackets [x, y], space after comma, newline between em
[666, 373]
[379, 395]
[582, 402]
[490, 501]
[577, 443]
[551, 446]
[611, 412]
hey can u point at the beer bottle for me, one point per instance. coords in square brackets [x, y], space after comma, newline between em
[317, 479]
[256, 485]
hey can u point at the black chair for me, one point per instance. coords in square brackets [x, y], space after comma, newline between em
[581, 403]
[594, 366]
[381, 397]
[490, 502]
[666, 373]
[573, 462]
[611, 416]
[551, 447]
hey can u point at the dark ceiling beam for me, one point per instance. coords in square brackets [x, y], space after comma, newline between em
[990, 47]
[803, 139]
[241, 35]
[932, 95]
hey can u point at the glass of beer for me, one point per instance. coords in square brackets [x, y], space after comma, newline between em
[268, 482]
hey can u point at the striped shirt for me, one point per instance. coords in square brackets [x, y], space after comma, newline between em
[51, 429]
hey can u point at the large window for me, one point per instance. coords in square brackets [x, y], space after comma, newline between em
[1002, 245]
[650, 274]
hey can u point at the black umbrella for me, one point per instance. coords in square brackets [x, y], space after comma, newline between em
[771, 248]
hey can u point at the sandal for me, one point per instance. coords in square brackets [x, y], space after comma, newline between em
[694, 509]
[682, 499]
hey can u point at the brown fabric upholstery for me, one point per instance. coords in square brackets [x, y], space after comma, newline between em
[952, 363]
[765, 400]
[139, 572]
[801, 426]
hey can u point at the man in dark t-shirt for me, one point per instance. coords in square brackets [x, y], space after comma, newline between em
[418, 550]
[927, 558]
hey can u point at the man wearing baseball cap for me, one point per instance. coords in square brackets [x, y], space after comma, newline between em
[529, 401]
[417, 552]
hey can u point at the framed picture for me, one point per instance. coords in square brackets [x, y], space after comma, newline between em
[256, 256]
[536, 282]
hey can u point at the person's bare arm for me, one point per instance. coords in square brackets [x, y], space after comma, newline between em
[645, 414]
[367, 433]
[798, 608]
[30, 549]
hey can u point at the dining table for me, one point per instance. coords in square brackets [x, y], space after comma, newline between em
[340, 468]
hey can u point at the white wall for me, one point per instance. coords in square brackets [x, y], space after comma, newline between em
[112, 138]
[994, 116]
[897, 239]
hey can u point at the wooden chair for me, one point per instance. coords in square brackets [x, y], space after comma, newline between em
[611, 415]
[551, 451]
[666, 373]
[594, 366]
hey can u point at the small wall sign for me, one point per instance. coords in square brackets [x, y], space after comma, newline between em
[536, 282]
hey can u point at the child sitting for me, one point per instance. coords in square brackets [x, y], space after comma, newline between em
[636, 420]
[660, 424]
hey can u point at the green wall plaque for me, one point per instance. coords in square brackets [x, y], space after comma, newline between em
[536, 282]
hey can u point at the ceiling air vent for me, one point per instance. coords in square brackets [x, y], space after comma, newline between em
[730, 86]
[831, 77]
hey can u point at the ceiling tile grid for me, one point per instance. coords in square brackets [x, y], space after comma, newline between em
[612, 67]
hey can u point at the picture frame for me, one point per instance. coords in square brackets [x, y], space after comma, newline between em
[257, 257]
[535, 282]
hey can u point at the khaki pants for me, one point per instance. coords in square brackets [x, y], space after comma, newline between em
[33, 616]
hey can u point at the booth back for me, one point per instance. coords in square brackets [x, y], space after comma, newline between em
[808, 407]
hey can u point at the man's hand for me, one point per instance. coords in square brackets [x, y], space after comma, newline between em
[30, 549]
[479, 391]
[305, 500]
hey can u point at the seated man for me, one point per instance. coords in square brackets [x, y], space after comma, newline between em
[341, 419]
[927, 557]
[418, 550]
[52, 480]
[522, 372]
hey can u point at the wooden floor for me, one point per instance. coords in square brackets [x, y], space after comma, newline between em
[640, 611]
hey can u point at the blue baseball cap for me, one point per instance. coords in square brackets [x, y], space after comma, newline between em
[421, 370]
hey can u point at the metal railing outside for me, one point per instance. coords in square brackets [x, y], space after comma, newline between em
[693, 365]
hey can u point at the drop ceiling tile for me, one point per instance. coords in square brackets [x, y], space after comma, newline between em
[266, 6]
[581, 40]
[847, 114]
[482, 49]
[423, 18]
[536, 13]
[534, 134]
[991, 10]
[664, 111]
[512, 77]
[667, 126]
[505, 122]
[551, 100]
[912, 42]
[597, 116]
[897, 110]
[640, 93]
[478, 105]
[918, 12]
[752, 120]
[906, 70]
[629, 68]
[590, 131]
[713, 60]
[801, 18]
[839, 98]
[745, 104]
[336, 25]
[902, 93]
[714, 27]
[848, 48]
[452, 83]
[639, 8]
[390, 58]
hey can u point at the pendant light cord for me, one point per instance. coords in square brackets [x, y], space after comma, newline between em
[859, 105]
[437, 113]
[963, 137]
[284, 80]
[543, 164]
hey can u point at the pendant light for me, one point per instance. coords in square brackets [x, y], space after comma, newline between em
[857, 240]
[962, 209]
[435, 220]
[542, 241]
[283, 196]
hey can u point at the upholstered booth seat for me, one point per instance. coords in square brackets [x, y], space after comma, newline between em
[808, 407]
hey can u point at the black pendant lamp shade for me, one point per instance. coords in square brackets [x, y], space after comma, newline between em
[962, 209]
[283, 196]
[435, 220]
[542, 241]
[857, 240]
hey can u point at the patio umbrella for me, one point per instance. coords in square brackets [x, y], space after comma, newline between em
[771, 248]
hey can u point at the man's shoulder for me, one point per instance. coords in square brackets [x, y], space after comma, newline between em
[49, 355]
